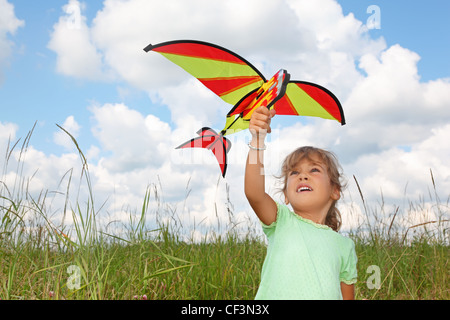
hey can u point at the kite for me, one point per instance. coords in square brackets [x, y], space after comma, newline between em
[239, 83]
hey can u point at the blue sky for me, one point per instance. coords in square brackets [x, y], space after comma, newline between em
[393, 82]
[423, 27]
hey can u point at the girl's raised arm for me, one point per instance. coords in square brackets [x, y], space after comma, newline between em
[254, 183]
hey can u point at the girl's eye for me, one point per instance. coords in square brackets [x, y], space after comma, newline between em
[294, 173]
[315, 170]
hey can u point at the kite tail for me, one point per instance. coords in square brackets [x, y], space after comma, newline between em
[211, 140]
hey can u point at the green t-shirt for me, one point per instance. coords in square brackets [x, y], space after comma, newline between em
[305, 260]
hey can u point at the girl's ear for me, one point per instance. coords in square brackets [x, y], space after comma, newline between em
[336, 194]
[286, 199]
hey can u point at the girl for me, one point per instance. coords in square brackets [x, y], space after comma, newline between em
[306, 257]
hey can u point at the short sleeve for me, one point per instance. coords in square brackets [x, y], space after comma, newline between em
[348, 273]
[270, 229]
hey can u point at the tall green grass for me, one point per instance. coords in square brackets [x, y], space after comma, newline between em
[89, 258]
[413, 258]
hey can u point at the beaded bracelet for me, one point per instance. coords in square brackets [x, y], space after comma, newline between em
[254, 148]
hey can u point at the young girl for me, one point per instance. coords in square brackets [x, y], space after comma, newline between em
[306, 257]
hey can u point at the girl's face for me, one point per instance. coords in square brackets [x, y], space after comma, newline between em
[309, 189]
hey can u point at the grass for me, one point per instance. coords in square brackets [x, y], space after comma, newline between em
[89, 259]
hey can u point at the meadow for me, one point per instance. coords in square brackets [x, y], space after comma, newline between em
[40, 260]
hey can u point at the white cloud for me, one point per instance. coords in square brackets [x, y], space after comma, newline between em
[392, 91]
[308, 38]
[193, 105]
[77, 55]
[391, 108]
[401, 174]
[122, 29]
[135, 141]
[9, 24]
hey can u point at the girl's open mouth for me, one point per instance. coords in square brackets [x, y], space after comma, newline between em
[304, 188]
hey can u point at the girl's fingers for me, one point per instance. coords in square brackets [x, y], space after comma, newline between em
[260, 125]
[260, 120]
[272, 112]
[261, 116]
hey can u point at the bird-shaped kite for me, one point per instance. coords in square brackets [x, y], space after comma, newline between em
[239, 83]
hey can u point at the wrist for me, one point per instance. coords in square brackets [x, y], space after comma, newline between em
[257, 144]
[258, 140]
[255, 148]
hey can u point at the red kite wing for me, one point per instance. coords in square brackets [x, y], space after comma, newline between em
[225, 73]
[309, 99]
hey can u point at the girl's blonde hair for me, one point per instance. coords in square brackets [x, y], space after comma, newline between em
[329, 159]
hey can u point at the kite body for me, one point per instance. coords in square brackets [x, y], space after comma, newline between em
[240, 84]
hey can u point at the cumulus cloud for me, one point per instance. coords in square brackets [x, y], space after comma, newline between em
[337, 41]
[135, 140]
[9, 24]
[77, 55]
[122, 29]
[315, 40]
[391, 107]
[392, 92]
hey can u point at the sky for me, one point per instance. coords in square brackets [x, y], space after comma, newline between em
[81, 65]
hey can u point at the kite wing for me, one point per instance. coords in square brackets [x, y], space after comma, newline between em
[309, 99]
[297, 98]
[209, 139]
[225, 73]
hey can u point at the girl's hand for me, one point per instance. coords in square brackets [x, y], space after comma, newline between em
[260, 122]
